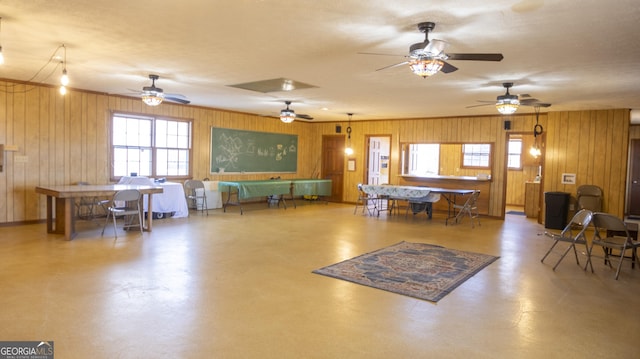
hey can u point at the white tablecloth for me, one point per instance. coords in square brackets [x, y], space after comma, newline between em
[172, 200]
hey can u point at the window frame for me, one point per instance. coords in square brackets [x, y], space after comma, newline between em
[153, 147]
[510, 154]
[488, 156]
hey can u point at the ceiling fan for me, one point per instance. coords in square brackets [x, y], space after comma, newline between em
[508, 103]
[287, 115]
[429, 57]
[153, 96]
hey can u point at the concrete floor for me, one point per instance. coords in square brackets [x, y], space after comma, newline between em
[240, 286]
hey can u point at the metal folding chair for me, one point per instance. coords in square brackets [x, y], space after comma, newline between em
[365, 201]
[573, 233]
[611, 234]
[469, 208]
[125, 203]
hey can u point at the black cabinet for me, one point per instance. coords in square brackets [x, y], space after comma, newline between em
[556, 209]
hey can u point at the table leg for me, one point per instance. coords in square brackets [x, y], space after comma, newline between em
[50, 214]
[227, 202]
[149, 226]
[65, 221]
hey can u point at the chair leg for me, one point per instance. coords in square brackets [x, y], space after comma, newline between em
[115, 227]
[105, 223]
[140, 220]
[549, 251]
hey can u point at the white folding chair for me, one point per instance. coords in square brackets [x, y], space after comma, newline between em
[125, 203]
[573, 233]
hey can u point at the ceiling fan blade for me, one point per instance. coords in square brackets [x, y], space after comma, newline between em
[476, 57]
[378, 54]
[394, 65]
[436, 47]
[528, 101]
[534, 104]
[484, 104]
[447, 68]
[177, 98]
[303, 116]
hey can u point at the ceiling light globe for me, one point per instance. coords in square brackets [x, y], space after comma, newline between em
[287, 116]
[507, 105]
[425, 67]
[152, 99]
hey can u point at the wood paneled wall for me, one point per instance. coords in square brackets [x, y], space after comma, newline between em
[592, 144]
[63, 140]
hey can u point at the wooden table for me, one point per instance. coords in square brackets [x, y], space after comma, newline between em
[60, 213]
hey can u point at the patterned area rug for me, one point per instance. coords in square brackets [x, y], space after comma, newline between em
[418, 270]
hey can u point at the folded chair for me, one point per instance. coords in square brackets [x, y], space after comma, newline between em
[86, 206]
[573, 233]
[612, 235]
[125, 203]
[469, 208]
[195, 193]
[365, 201]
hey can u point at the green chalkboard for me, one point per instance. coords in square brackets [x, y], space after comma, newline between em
[252, 151]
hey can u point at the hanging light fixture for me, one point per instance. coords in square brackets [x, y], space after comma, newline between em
[152, 95]
[507, 103]
[537, 130]
[425, 66]
[1, 55]
[287, 115]
[64, 79]
[349, 150]
[153, 99]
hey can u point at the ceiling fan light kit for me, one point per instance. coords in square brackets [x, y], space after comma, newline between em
[152, 99]
[428, 57]
[154, 96]
[507, 104]
[287, 115]
[425, 67]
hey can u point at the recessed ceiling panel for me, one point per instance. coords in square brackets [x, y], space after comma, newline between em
[273, 85]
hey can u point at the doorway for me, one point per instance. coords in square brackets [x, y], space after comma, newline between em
[523, 184]
[379, 150]
[633, 193]
[333, 165]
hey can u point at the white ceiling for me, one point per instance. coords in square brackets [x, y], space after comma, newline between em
[576, 55]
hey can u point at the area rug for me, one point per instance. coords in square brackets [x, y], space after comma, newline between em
[519, 213]
[418, 270]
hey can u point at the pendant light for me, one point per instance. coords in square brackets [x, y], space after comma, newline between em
[349, 150]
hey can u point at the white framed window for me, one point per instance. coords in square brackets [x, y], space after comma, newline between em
[514, 157]
[150, 146]
[476, 155]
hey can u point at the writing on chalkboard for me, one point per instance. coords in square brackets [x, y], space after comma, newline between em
[252, 151]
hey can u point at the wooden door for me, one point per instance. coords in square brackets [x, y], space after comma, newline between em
[634, 187]
[333, 164]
